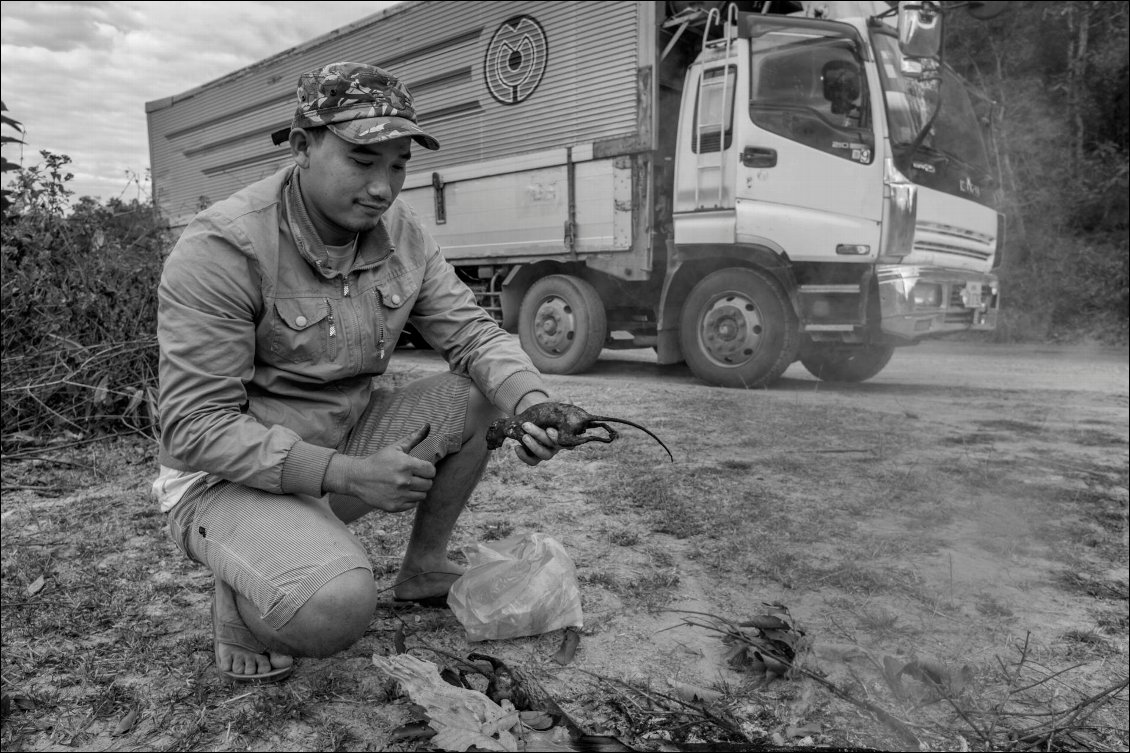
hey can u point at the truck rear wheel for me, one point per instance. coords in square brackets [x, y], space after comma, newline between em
[738, 329]
[835, 363]
[562, 324]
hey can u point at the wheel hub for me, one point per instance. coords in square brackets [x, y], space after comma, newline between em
[554, 325]
[731, 330]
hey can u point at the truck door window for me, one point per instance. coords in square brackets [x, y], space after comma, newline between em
[715, 125]
[810, 86]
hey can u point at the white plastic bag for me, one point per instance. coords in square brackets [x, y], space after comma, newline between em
[521, 585]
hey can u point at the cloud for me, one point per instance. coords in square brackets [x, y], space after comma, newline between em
[62, 26]
[78, 74]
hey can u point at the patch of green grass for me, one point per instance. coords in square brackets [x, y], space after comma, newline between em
[1114, 620]
[970, 439]
[1017, 427]
[990, 606]
[1095, 438]
[625, 537]
[868, 579]
[648, 587]
[1093, 584]
[879, 622]
[671, 503]
[740, 466]
[333, 735]
[496, 529]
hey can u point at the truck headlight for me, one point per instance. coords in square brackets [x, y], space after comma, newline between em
[926, 296]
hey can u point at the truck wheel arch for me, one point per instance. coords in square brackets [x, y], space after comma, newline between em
[699, 261]
[519, 281]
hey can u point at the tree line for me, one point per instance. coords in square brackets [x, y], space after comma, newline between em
[1058, 72]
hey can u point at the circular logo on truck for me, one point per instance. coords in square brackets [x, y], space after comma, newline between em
[516, 59]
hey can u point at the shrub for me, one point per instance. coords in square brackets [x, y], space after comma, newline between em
[79, 299]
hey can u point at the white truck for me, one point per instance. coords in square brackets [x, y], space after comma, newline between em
[734, 184]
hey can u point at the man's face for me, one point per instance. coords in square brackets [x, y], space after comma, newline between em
[347, 187]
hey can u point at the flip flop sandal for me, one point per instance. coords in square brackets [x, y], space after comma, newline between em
[236, 634]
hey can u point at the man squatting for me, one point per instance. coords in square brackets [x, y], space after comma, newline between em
[277, 307]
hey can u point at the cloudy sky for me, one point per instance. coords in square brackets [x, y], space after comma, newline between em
[77, 75]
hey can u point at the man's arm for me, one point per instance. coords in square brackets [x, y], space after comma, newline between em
[208, 301]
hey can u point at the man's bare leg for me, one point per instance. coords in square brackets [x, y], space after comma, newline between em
[237, 659]
[426, 570]
[334, 618]
[338, 614]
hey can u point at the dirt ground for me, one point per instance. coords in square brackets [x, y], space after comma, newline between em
[965, 510]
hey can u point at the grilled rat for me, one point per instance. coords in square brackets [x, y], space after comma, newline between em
[570, 422]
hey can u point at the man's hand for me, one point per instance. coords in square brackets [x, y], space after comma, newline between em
[537, 444]
[389, 480]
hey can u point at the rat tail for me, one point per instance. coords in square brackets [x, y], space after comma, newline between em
[641, 428]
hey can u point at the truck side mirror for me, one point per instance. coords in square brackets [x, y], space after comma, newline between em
[920, 29]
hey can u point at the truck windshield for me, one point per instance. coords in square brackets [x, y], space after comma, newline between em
[956, 132]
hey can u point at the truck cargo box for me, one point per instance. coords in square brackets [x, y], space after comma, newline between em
[472, 67]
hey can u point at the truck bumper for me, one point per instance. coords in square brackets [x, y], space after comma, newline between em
[919, 301]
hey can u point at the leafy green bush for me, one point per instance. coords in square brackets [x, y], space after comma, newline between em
[1059, 73]
[79, 299]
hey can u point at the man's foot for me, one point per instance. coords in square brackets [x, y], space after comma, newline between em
[426, 587]
[240, 656]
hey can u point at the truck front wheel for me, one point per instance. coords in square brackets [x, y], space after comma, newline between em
[738, 329]
[835, 363]
[562, 324]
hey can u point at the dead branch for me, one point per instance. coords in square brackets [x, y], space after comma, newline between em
[896, 725]
[694, 709]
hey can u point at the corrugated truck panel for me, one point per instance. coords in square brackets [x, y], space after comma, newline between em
[211, 141]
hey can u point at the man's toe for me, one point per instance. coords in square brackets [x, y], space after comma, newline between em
[279, 661]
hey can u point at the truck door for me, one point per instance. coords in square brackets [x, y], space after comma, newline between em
[809, 182]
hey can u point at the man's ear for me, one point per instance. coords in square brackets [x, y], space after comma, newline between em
[300, 145]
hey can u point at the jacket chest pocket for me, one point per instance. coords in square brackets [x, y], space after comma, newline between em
[385, 304]
[302, 329]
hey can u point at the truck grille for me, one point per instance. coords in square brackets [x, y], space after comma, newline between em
[946, 239]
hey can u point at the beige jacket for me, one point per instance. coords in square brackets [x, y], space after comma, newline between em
[267, 361]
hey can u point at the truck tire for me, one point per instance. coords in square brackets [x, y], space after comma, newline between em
[738, 329]
[562, 324]
[839, 364]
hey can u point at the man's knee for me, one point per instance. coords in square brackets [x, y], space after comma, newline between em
[335, 617]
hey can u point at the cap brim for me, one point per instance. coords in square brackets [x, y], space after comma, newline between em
[376, 130]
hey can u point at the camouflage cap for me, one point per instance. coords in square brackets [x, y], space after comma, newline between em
[362, 104]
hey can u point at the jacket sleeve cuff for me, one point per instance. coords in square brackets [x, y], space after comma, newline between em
[304, 468]
[517, 386]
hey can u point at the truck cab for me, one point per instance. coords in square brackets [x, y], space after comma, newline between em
[833, 198]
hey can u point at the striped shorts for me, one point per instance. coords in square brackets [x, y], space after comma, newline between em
[279, 549]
